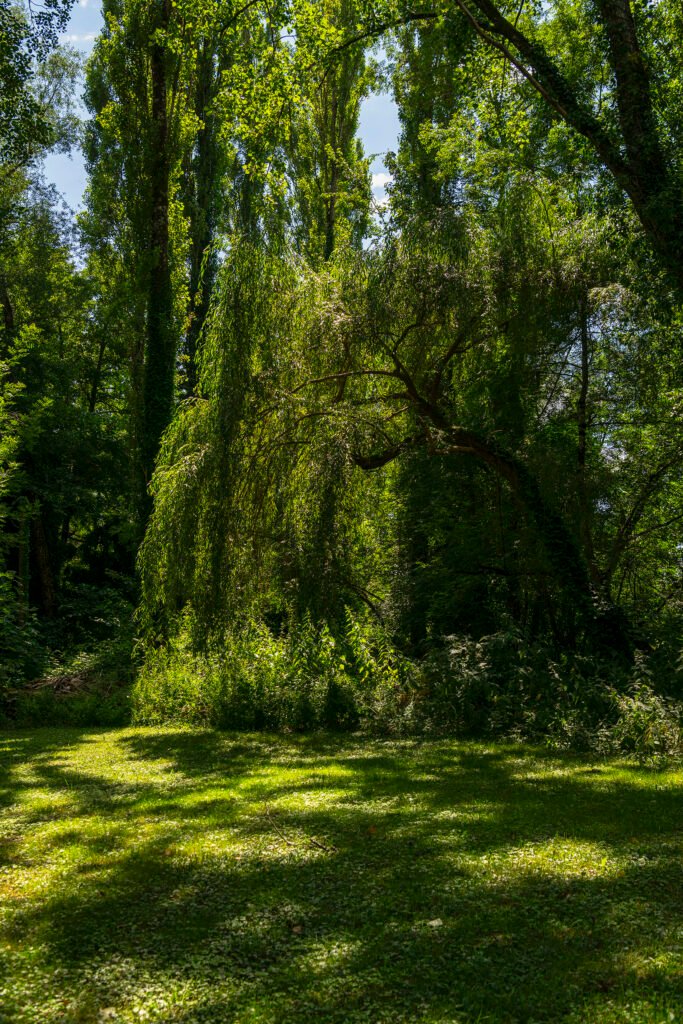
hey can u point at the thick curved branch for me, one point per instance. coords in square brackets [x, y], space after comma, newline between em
[376, 461]
[549, 82]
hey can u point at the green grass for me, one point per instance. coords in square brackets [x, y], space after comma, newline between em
[182, 876]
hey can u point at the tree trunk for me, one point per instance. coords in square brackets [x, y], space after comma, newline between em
[582, 429]
[47, 592]
[202, 204]
[7, 312]
[23, 556]
[160, 344]
[657, 200]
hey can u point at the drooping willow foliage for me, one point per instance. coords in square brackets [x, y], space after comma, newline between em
[452, 347]
[253, 497]
[195, 550]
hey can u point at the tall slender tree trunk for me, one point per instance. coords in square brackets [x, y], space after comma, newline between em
[23, 555]
[582, 445]
[7, 312]
[331, 213]
[202, 204]
[160, 342]
[47, 591]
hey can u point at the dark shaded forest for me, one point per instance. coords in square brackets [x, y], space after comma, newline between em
[274, 455]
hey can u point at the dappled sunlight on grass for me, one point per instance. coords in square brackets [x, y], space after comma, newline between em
[178, 875]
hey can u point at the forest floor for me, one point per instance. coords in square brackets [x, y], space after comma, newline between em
[184, 876]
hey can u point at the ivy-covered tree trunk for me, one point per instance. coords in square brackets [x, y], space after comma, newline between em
[160, 342]
[203, 191]
[583, 432]
[637, 159]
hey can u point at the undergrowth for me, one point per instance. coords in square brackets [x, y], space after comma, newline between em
[498, 686]
[75, 670]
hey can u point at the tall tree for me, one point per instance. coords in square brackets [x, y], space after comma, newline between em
[169, 86]
[329, 170]
[28, 35]
[132, 150]
[602, 69]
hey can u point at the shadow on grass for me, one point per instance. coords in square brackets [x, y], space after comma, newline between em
[336, 879]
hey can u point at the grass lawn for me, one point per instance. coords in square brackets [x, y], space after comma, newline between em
[182, 876]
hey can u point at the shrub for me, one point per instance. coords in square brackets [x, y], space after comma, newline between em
[22, 656]
[647, 725]
[306, 679]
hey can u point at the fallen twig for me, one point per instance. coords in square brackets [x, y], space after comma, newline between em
[327, 848]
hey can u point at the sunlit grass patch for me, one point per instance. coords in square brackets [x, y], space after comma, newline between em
[177, 875]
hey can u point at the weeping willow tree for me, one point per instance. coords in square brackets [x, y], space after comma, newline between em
[309, 382]
[195, 552]
[382, 423]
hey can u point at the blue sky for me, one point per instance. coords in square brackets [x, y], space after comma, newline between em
[378, 129]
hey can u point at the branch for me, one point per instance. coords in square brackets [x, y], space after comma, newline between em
[628, 527]
[238, 14]
[342, 375]
[550, 83]
[381, 28]
[456, 348]
[366, 596]
[369, 462]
